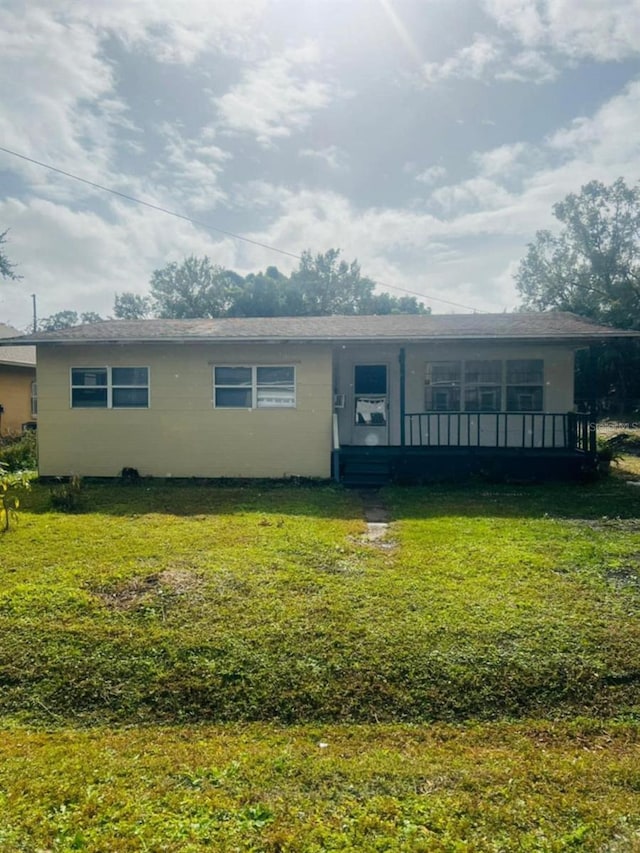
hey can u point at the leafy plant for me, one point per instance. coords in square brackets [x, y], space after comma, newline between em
[9, 501]
[69, 496]
[19, 454]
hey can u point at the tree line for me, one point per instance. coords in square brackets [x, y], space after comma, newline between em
[197, 288]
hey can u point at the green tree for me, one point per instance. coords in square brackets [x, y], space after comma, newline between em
[131, 306]
[6, 267]
[324, 284]
[591, 266]
[67, 319]
[262, 294]
[194, 288]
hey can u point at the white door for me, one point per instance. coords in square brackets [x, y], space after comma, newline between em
[370, 412]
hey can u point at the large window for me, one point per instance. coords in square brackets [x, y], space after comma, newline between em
[110, 387]
[254, 387]
[485, 386]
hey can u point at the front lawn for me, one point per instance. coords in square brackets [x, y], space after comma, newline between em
[238, 668]
[183, 602]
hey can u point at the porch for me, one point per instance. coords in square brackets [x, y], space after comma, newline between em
[458, 445]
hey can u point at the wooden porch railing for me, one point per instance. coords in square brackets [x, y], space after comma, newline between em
[525, 430]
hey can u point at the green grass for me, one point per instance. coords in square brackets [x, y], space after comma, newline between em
[244, 604]
[484, 787]
[173, 659]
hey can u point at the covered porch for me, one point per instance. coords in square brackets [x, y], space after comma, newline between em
[424, 413]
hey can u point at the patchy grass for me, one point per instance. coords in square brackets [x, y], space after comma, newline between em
[181, 602]
[500, 614]
[531, 786]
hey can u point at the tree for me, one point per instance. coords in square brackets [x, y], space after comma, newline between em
[592, 265]
[67, 319]
[131, 306]
[6, 267]
[195, 288]
[326, 285]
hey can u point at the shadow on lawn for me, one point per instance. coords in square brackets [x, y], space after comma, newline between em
[206, 497]
[608, 498]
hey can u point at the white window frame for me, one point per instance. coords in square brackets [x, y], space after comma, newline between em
[254, 388]
[110, 386]
[34, 399]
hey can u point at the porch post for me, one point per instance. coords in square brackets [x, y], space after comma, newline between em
[593, 402]
[402, 360]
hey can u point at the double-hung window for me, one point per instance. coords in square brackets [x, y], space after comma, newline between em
[109, 387]
[254, 387]
[525, 381]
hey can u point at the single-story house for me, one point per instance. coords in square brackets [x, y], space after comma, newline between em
[18, 399]
[360, 398]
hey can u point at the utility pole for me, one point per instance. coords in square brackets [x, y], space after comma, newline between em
[35, 314]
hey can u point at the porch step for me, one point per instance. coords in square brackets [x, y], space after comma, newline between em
[365, 471]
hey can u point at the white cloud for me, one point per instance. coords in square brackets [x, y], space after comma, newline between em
[470, 62]
[276, 96]
[575, 28]
[431, 175]
[332, 156]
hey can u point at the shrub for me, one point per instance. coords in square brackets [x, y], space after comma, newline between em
[19, 454]
[69, 496]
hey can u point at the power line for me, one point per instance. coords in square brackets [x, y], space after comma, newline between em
[200, 223]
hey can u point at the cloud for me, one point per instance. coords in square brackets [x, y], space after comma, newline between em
[332, 156]
[431, 175]
[577, 29]
[470, 62]
[276, 97]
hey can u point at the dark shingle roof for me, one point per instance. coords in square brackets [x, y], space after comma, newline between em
[395, 327]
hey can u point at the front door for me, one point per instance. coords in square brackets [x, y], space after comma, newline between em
[370, 405]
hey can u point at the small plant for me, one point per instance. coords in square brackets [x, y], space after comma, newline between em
[69, 496]
[9, 501]
[19, 454]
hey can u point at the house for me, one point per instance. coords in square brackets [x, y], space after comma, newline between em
[360, 398]
[18, 401]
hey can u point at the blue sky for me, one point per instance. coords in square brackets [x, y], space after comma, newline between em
[429, 139]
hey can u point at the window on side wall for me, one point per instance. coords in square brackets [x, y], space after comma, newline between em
[34, 399]
[254, 387]
[110, 387]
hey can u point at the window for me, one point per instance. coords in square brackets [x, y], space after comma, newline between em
[109, 387]
[254, 387]
[485, 386]
[34, 399]
[525, 383]
[442, 386]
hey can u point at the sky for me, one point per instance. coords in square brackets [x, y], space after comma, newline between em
[428, 139]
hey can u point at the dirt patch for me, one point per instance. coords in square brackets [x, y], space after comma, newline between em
[376, 515]
[165, 585]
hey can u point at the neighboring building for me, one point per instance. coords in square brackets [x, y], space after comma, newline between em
[361, 398]
[18, 401]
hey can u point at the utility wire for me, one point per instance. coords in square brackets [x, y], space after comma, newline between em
[200, 223]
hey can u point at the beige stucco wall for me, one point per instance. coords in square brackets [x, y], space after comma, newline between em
[181, 434]
[15, 397]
